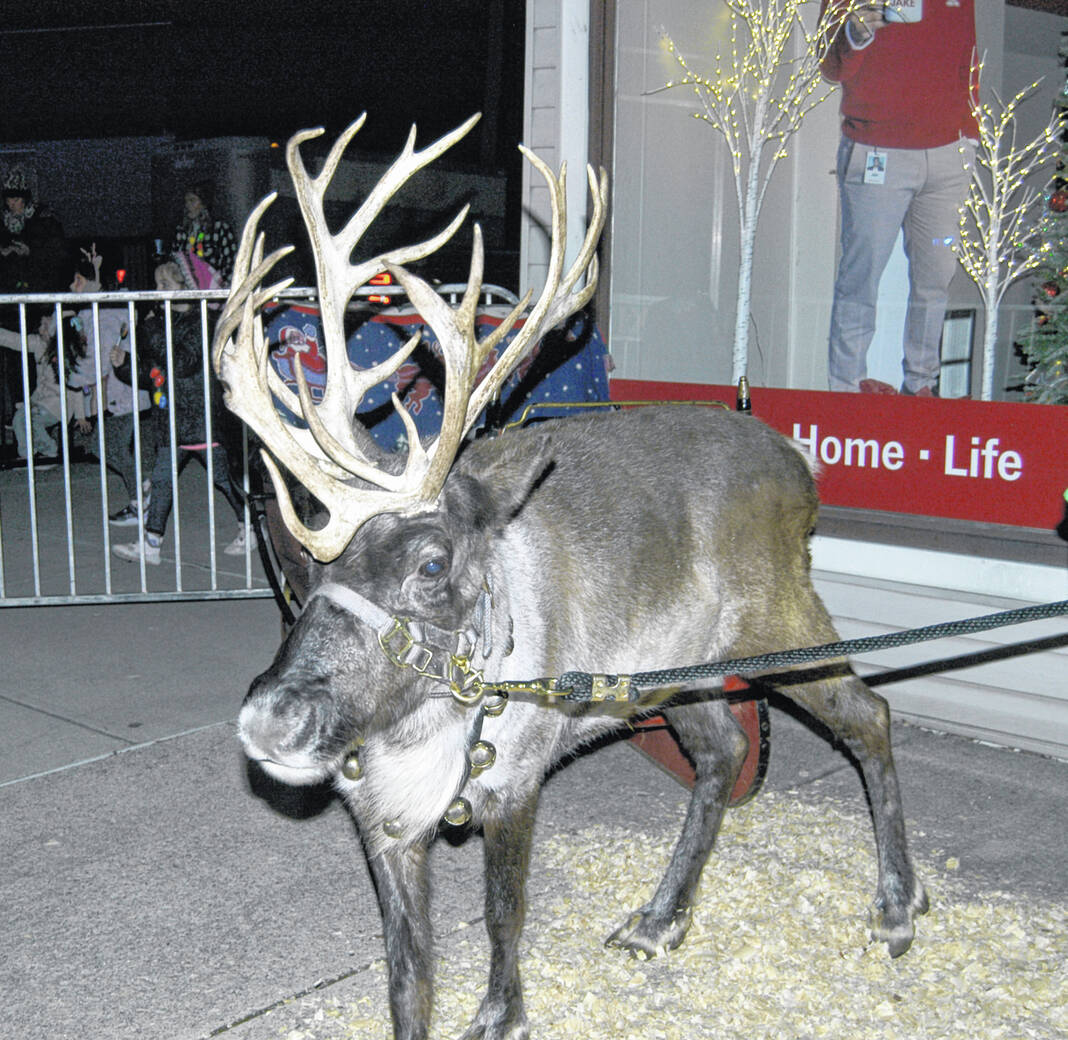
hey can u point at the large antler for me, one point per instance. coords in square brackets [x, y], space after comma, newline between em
[334, 458]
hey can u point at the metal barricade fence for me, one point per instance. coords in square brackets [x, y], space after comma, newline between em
[56, 540]
[60, 542]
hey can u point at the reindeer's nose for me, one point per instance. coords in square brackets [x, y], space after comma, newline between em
[286, 715]
[264, 733]
[285, 727]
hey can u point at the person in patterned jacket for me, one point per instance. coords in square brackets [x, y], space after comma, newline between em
[204, 236]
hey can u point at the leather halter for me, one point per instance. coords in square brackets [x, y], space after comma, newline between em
[435, 652]
[422, 646]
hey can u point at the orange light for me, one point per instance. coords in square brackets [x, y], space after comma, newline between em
[385, 278]
[120, 275]
[378, 299]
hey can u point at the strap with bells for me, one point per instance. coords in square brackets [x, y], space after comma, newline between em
[420, 645]
[481, 755]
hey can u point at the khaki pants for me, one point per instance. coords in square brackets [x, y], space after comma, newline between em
[920, 195]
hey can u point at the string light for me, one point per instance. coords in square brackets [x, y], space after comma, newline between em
[756, 98]
[998, 229]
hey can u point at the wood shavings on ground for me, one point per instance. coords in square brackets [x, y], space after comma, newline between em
[778, 949]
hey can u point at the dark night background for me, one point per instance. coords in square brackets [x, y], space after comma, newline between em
[139, 74]
[200, 69]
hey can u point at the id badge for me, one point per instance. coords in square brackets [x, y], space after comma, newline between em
[875, 167]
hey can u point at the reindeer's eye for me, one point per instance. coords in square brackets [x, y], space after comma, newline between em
[435, 567]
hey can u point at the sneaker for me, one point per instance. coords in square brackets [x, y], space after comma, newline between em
[246, 539]
[125, 517]
[132, 550]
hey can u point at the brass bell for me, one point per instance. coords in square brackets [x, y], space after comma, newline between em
[351, 768]
[458, 813]
[494, 703]
[350, 764]
[481, 756]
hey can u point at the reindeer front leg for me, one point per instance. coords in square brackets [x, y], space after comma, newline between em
[508, 829]
[717, 745]
[401, 879]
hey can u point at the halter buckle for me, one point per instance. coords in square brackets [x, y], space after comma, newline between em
[397, 643]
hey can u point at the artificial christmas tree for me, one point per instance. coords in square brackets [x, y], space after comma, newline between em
[1046, 345]
[1000, 233]
[766, 78]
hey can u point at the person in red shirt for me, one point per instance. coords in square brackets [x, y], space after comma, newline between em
[904, 162]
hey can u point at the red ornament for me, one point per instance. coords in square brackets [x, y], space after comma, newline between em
[1051, 289]
[1058, 201]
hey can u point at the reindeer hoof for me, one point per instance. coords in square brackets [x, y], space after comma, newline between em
[498, 1019]
[646, 936]
[480, 1032]
[894, 927]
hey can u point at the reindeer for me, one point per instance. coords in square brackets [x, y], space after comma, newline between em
[628, 540]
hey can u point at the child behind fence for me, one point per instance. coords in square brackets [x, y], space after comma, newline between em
[179, 388]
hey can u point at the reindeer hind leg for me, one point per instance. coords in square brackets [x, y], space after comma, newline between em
[860, 720]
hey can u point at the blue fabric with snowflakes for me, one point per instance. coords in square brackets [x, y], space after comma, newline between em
[568, 366]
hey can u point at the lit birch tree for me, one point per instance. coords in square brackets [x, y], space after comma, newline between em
[760, 89]
[999, 228]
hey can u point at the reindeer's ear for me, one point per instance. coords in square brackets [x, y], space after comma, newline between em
[498, 475]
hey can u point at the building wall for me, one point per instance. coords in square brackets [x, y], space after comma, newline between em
[991, 686]
[124, 192]
[95, 187]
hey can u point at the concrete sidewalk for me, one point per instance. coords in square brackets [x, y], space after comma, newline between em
[151, 887]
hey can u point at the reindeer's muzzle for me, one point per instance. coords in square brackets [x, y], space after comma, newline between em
[289, 726]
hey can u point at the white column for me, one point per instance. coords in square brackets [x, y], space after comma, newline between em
[555, 125]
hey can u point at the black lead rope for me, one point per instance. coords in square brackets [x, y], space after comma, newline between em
[586, 686]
